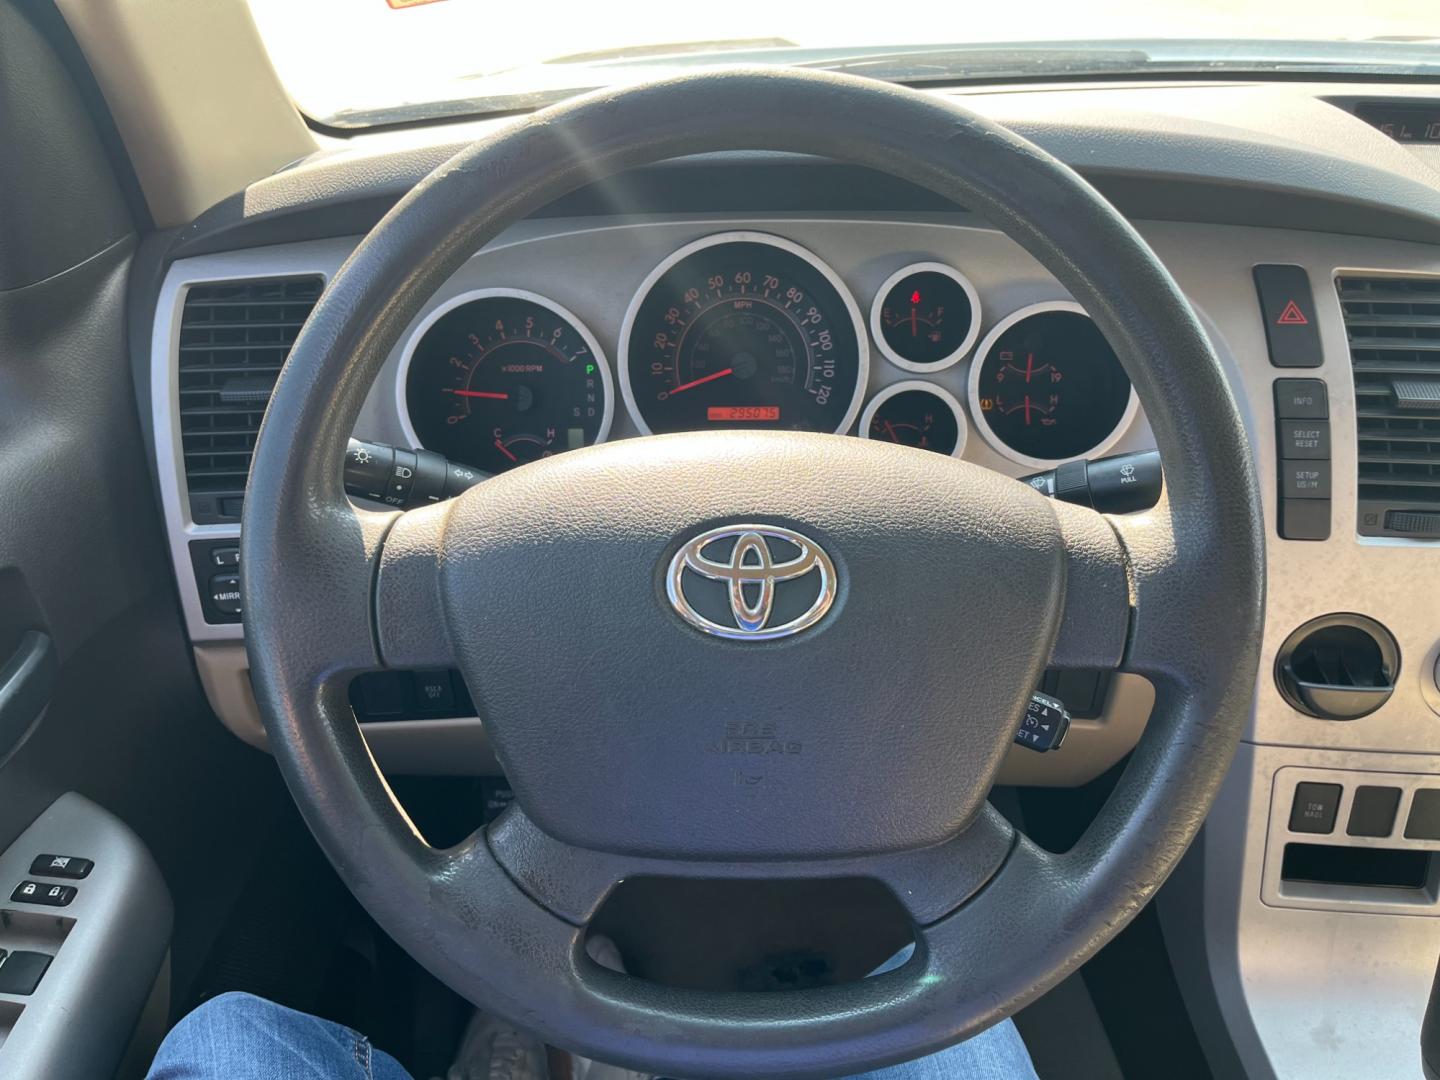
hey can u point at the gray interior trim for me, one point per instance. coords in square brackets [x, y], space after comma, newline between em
[109, 944]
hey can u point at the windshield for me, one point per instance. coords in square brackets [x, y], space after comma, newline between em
[354, 63]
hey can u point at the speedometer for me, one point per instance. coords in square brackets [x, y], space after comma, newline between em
[743, 330]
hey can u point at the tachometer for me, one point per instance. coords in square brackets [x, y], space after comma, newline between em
[499, 377]
[1046, 387]
[743, 330]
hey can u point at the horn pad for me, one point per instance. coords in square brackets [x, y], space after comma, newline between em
[749, 645]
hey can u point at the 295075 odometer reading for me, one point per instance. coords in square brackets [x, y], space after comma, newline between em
[743, 330]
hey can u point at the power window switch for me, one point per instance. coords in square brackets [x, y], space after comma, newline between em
[20, 972]
[1314, 808]
[41, 892]
[62, 866]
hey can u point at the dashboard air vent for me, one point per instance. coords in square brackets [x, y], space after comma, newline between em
[234, 337]
[1394, 328]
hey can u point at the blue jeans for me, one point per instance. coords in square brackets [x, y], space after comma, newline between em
[243, 1037]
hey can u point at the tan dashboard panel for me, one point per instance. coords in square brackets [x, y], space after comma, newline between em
[461, 747]
[402, 747]
[1093, 746]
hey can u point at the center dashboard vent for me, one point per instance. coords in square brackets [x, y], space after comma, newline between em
[1393, 324]
[234, 338]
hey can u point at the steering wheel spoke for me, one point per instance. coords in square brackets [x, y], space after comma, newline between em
[1095, 620]
[410, 624]
[928, 882]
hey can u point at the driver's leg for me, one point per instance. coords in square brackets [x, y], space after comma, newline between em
[242, 1037]
[997, 1053]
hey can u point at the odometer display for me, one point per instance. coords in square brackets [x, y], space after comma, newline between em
[748, 413]
[1046, 387]
[499, 378]
[742, 330]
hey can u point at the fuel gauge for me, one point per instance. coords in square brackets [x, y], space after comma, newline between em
[915, 413]
[925, 317]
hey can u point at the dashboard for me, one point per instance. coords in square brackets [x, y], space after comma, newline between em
[932, 332]
[769, 291]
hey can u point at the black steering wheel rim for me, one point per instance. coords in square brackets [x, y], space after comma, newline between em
[1176, 595]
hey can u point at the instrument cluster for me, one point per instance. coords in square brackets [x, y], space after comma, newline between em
[746, 329]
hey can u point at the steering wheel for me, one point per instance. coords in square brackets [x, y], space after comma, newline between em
[954, 587]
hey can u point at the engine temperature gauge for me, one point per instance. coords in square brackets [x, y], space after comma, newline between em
[915, 413]
[925, 316]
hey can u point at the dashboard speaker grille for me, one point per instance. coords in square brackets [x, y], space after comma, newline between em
[1393, 324]
[234, 338]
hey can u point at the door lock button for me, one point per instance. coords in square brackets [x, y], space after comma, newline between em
[42, 892]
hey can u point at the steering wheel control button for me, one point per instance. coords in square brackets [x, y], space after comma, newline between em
[751, 582]
[1301, 399]
[434, 692]
[1314, 808]
[1287, 305]
[22, 970]
[61, 866]
[1424, 820]
[1044, 725]
[43, 892]
[1372, 812]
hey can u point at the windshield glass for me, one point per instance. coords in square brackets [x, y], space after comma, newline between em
[354, 63]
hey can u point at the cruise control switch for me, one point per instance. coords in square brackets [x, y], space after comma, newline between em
[403, 478]
[1112, 485]
[1044, 724]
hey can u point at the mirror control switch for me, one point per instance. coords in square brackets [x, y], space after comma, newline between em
[1044, 725]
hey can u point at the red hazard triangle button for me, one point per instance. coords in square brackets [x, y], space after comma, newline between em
[1292, 316]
